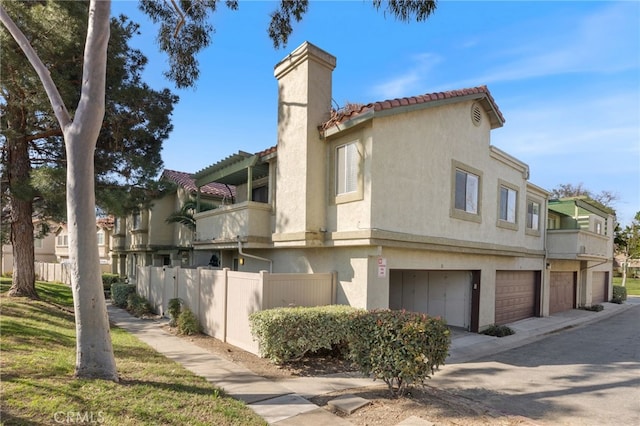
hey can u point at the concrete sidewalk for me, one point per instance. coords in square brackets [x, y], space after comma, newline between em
[287, 403]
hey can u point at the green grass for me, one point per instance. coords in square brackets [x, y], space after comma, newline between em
[38, 387]
[632, 284]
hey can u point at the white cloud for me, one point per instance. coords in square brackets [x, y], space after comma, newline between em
[411, 81]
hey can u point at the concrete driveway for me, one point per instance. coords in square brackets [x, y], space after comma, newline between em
[589, 375]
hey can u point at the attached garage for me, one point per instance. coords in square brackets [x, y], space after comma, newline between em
[599, 287]
[446, 294]
[517, 295]
[562, 295]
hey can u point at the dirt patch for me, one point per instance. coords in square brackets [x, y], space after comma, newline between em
[438, 406]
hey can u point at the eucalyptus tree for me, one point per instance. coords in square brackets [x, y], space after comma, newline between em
[627, 241]
[127, 156]
[187, 21]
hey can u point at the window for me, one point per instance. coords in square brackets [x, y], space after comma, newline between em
[467, 191]
[508, 202]
[37, 243]
[533, 216]
[347, 162]
[100, 238]
[260, 194]
[598, 227]
[137, 220]
[62, 240]
[118, 228]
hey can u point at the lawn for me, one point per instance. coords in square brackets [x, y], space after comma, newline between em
[632, 284]
[38, 359]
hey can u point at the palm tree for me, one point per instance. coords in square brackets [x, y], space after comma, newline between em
[184, 216]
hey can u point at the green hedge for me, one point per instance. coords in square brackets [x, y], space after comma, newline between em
[287, 334]
[120, 294]
[401, 348]
[138, 305]
[619, 294]
[108, 280]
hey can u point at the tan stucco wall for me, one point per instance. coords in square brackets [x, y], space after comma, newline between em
[357, 270]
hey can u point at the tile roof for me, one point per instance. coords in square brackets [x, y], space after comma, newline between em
[355, 110]
[186, 181]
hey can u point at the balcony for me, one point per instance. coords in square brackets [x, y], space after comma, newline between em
[578, 244]
[251, 221]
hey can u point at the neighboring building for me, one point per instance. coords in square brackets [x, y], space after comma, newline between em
[104, 230]
[405, 199]
[145, 238]
[43, 249]
[580, 253]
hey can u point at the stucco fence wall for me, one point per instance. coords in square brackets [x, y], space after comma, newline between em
[223, 299]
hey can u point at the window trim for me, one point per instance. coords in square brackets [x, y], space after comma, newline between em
[505, 223]
[358, 193]
[532, 231]
[104, 237]
[463, 214]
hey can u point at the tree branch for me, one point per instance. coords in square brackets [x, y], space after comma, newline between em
[57, 103]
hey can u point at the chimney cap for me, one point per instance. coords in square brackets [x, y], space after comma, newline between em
[303, 53]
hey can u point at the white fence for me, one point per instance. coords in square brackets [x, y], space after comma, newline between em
[223, 299]
[58, 272]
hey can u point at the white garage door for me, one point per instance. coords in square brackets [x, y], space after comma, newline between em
[446, 294]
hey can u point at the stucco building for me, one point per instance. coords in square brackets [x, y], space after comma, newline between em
[405, 199]
[145, 238]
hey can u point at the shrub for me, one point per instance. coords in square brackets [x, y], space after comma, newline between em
[498, 331]
[594, 308]
[287, 334]
[108, 280]
[401, 348]
[619, 294]
[120, 293]
[188, 323]
[174, 308]
[137, 305]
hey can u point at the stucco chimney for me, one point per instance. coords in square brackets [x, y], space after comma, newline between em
[304, 102]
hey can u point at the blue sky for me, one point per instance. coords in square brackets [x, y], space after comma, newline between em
[566, 76]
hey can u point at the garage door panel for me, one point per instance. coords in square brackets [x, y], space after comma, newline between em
[515, 296]
[599, 286]
[562, 292]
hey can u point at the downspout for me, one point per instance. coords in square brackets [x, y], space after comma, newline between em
[254, 257]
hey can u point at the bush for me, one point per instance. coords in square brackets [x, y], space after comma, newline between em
[174, 308]
[498, 331]
[594, 308]
[619, 294]
[401, 348]
[108, 280]
[137, 305]
[287, 334]
[188, 323]
[120, 293]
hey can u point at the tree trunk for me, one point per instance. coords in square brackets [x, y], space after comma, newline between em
[94, 351]
[94, 355]
[24, 280]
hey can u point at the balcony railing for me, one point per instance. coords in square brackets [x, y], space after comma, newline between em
[249, 220]
[578, 244]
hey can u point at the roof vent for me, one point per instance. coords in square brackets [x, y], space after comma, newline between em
[476, 114]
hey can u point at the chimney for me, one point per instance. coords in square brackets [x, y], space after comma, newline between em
[304, 102]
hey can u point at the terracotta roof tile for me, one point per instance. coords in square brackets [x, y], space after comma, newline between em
[355, 110]
[186, 181]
